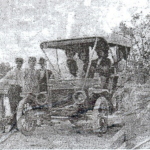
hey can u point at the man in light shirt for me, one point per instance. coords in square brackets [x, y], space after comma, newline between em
[68, 68]
[31, 77]
[14, 78]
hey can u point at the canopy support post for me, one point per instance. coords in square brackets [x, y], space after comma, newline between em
[90, 61]
[50, 61]
[57, 62]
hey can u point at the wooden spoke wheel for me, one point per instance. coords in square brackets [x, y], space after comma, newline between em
[100, 115]
[102, 121]
[26, 124]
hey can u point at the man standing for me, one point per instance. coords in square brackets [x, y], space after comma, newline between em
[30, 88]
[31, 77]
[44, 74]
[14, 79]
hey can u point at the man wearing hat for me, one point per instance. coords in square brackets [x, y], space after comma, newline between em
[44, 74]
[31, 77]
[14, 79]
[15, 75]
[102, 66]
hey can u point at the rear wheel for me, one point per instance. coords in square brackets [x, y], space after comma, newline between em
[100, 115]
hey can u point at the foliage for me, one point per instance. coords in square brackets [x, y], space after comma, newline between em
[4, 68]
[139, 33]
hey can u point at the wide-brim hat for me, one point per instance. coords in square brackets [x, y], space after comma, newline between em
[42, 60]
[32, 59]
[19, 60]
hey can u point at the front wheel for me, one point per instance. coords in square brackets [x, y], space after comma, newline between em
[26, 124]
[100, 115]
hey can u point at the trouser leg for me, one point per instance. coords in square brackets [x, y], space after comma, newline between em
[115, 80]
[14, 111]
[106, 83]
[14, 98]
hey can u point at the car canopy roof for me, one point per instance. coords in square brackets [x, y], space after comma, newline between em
[73, 44]
[77, 43]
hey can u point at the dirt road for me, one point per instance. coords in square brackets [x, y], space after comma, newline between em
[59, 136]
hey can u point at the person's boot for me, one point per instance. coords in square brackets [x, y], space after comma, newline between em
[13, 126]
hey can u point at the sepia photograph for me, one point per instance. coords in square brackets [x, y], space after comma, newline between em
[75, 74]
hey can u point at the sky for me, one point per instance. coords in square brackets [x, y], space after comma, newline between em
[25, 24]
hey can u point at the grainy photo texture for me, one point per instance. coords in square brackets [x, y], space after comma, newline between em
[75, 74]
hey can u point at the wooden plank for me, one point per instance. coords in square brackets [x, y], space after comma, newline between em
[6, 136]
[118, 139]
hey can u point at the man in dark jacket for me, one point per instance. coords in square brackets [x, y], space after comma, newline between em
[44, 74]
[71, 63]
[102, 66]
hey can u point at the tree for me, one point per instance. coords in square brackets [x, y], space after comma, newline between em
[139, 32]
[4, 68]
[140, 35]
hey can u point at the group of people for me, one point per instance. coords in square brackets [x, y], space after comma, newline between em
[101, 65]
[28, 80]
[110, 60]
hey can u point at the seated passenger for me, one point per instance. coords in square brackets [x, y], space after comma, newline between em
[84, 57]
[102, 66]
[71, 63]
[80, 64]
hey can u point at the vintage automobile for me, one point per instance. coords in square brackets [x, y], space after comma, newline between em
[78, 97]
